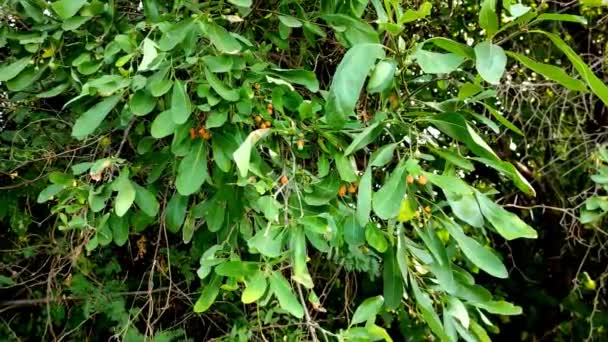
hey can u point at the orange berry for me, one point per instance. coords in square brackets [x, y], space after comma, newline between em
[342, 191]
[300, 144]
[257, 119]
[267, 124]
[352, 188]
[409, 179]
[422, 180]
[192, 134]
[284, 180]
[427, 209]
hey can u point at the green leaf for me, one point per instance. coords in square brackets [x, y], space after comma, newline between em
[437, 63]
[237, 269]
[393, 285]
[67, 8]
[290, 21]
[599, 88]
[550, 72]
[500, 308]
[510, 171]
[175, 212]
[57, 90]
[507, 224]
[349, 80]
[287, 300]
[49, 192]
[412, 15]
[192, 170]
[267, 242]
[176, 34]
[345, 168]
[163, 125]
[362, 139]
[454, 158]
[517, 10]
[480, 332]
[146, 200]
[149, 52]
[243, 153]
[220, 38]
[181, 108]
[151, 10]
[480, 256]
[457, 310]
[241, 3]
[498, 116]
[449, 45]
[560, 17]
[92, 118]
[488, 20]
[188, 229]
[120, 229]
[383, 155]
[455, 126]
[126, 193]
[210, 292]
[255, 288]
[302, 77]
[387, 201]
[490, 61]
[220, 88]
[425, 306]
[25, 79]
[367, 310]
[382, 77]
[142, 103]
[298, 247]
[375, 238]
[354, 31]
[9, 71]
[364, 198]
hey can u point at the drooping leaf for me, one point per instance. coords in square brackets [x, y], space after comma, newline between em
[298, 247]
[67, 8]
[175, 212]
[599, 88]
[393, 284]
[490, 61]
[387, 201]
[550, 72]
[302, 77]
[181, 107]
[488, 19]
[92, 118]
[210, 292]
[500, 308]
[506, 223]
[361, 140]
[163, 125]
[237, 269]
[9, 71]
[192, 170]
[142, 103]
[287, 299]
[256, 287]
[222, 90]
[349, 80]
[243, 154]
[120, 229]
[220, 38]
[145, 200]
[480, 256]
[364, 197]
[126, 193]
[367, 310]
[437, 63]
[375, 238]
[382, 76]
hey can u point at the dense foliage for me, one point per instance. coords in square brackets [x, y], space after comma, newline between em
[345, 170]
